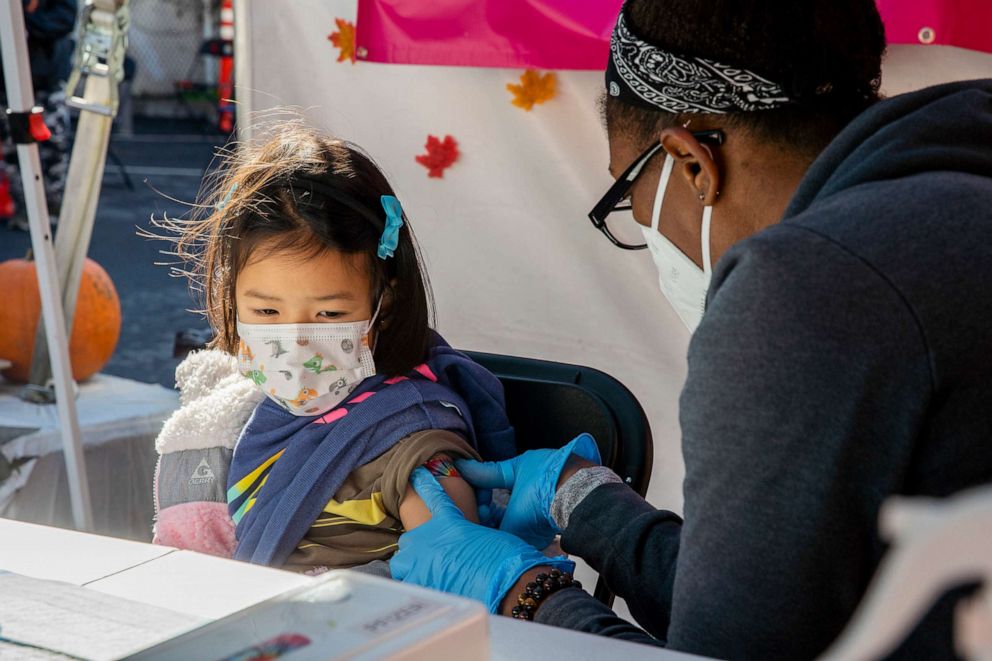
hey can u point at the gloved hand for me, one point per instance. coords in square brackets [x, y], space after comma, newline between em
[452, 554]
[490, 512]
[532, 478]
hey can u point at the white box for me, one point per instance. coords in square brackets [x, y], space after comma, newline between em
[341, 615]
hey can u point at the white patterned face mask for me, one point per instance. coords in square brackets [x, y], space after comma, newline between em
[307, 369]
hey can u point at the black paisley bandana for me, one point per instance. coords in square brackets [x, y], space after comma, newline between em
[648, 76]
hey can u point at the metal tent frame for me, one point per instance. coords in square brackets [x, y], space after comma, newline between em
[99, 58]
[20, 99]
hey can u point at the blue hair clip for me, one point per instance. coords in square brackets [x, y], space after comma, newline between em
[394, 221]
[227, 198]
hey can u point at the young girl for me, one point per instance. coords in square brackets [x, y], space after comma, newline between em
[312, 279]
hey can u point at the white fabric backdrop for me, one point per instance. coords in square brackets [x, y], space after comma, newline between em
[516, 266]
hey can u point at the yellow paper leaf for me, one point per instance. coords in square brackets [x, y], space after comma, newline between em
[344, 39]
[534, 88]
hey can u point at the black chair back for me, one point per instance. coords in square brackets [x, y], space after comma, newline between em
[550, 403]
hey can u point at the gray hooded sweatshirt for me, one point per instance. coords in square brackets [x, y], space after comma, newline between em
[845, 356]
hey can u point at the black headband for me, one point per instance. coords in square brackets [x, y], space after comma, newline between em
[647, 76]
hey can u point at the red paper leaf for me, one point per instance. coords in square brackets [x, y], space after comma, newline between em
[441, 154]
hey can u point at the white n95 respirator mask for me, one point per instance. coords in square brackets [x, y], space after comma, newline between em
[307, 369]
[682, 282]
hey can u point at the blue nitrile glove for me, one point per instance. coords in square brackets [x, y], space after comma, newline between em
[532, 478]
[452, 554]
[490, 513]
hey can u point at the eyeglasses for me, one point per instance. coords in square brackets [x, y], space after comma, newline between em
[613, 214]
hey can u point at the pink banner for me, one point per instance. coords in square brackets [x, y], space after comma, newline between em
[574, 34]
[962, 23]
[544, 34]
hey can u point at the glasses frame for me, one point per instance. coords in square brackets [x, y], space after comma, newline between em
[618, 192]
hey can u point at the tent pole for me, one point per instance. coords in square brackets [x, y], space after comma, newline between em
[72, 242]
[102, 43]
[20, 98]
[243, 70]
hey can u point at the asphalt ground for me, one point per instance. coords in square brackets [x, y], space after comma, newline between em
[164, 160]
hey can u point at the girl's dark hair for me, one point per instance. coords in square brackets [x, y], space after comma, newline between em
[826, 54]
[290, 191]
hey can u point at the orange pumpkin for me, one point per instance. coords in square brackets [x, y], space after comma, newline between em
[96, 326]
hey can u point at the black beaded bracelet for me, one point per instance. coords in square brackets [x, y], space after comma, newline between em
[542, 587]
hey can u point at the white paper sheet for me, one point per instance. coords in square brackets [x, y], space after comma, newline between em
[80, 622]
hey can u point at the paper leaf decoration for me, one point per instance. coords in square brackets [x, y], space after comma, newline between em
[533, 89]
[344, 40]
[441, 154]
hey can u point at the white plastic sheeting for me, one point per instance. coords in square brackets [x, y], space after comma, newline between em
[516, 266]
[120, 419]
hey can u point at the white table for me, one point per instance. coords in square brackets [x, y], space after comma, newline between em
[119, 419]
[212, 588]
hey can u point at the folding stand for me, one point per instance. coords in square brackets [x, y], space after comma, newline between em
[100, 58]
[27, 128]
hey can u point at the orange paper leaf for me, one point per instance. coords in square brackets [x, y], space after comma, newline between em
[533, 89]
[344, 39]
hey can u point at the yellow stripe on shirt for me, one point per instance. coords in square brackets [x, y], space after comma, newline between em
[368, 511]
[339, 521]
[384, 548]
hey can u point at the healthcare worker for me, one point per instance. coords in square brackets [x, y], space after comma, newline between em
[842, 247]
